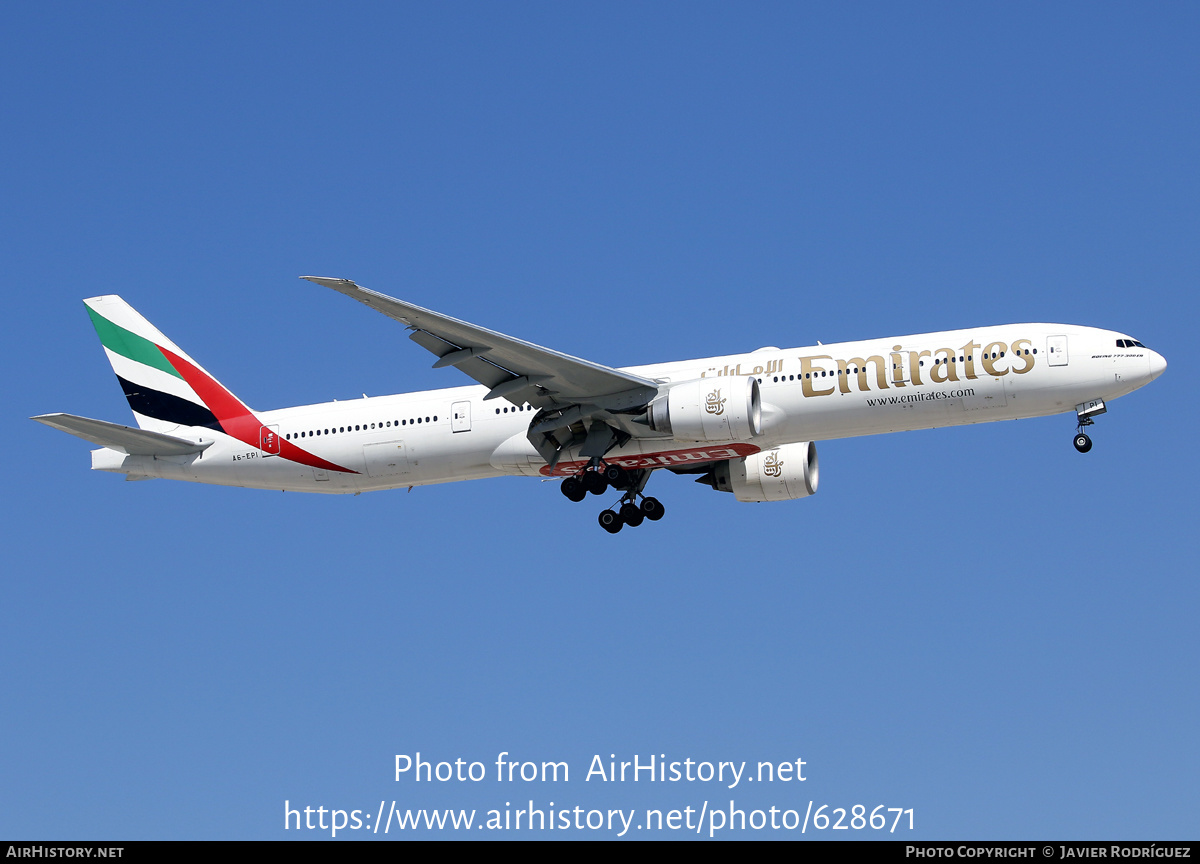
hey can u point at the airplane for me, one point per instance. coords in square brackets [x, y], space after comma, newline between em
[745, 424]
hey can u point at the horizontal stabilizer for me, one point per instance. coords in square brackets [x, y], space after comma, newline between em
[124, 439]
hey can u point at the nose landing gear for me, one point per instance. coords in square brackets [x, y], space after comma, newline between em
[1084, 412]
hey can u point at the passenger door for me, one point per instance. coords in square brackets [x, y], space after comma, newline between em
[460, 417]
[1056, 349]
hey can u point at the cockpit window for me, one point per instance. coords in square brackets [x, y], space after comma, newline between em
[1129, 343]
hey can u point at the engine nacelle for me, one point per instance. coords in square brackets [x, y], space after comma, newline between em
[709, 409]
[786, 472]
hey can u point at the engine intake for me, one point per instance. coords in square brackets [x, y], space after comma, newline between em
[786, 472]
[709, 409]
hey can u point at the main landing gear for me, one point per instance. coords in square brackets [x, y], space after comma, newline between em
[631, 513]
[598, 477]
[1084, 412]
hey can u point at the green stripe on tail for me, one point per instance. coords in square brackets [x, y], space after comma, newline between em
[121, 341]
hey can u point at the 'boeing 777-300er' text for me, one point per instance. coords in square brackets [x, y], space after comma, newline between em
[744, 424]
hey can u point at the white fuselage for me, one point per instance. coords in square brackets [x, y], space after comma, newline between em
[809, 394]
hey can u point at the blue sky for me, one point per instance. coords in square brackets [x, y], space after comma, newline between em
[977, 623]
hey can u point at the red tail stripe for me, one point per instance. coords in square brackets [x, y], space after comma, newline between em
[235, 418]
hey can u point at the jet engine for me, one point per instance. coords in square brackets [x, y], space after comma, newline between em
[709, 409]
[785, 472]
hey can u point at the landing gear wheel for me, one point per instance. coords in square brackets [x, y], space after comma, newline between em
[616, 476]
[631, 514]
[572, 487]
[1083, 443]
[594, 482]
[610, 521]
[652, 509]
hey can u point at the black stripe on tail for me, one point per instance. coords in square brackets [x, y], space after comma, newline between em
[167, 407]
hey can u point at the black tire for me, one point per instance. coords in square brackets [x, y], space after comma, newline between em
[572, 487]
[652, 509]
[610, 521]
[593, 481]
[616, 476]
[632, 515]
[1083, 443]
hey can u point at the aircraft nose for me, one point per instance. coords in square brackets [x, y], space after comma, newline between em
[1158, 364]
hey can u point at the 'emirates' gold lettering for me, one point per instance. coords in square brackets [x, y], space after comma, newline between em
[859, 365]
[914, 365]
[809, 373]
[969, 358]
[993, 354]
[943, 367]
[1023, 355]
[947, 365]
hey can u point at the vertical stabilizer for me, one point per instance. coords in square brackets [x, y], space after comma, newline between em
[165, 387]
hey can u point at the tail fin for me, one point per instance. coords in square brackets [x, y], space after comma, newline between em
[165, 387]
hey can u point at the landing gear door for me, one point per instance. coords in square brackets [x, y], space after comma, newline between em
[1056, 349]
[268, 440]
[460, 417]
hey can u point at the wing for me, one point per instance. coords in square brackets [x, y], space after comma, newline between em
[571, 393]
